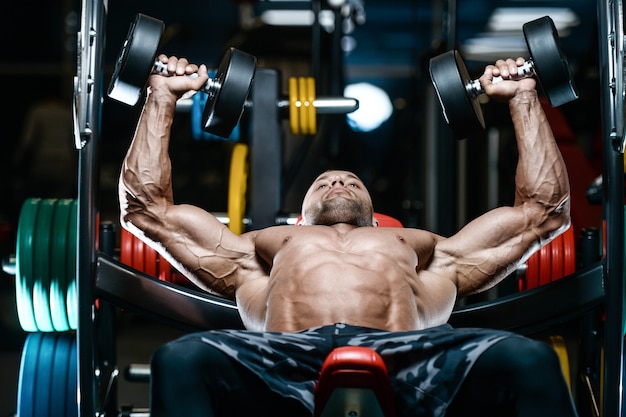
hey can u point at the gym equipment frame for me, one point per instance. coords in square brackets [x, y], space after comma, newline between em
[98, 274]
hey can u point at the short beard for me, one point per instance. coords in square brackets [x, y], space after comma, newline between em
[340, 210]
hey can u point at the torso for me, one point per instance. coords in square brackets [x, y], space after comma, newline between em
[364, 276]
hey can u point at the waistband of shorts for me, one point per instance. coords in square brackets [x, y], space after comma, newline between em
[340, 328]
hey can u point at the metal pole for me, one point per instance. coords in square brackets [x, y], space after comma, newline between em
[440, 148]
[610, 27]
[87, 99]
[266, 149]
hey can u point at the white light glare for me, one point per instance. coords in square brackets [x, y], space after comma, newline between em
[505, 19]
[374, 106]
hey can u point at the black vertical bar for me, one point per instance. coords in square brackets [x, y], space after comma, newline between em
[614, 282]
[316, 34]
[266, 149]
[441, 163]
[611, 86]
[88, 92]
[106, 335]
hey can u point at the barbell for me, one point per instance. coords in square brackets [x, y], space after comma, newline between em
[458, 93]
[227, 90]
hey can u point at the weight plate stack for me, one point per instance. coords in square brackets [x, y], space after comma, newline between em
[45, 280]
[553, 261]
[47, 384]
[302, 111]
[138, 255]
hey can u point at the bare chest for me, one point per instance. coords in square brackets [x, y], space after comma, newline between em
[297, 244]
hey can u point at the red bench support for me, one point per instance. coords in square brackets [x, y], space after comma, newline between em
[354, 382]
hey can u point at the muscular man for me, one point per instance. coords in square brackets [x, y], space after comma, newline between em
[337, 279]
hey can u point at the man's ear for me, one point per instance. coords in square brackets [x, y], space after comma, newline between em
[374, 221]
[299, 221]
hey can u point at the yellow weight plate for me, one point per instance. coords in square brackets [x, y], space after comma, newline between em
[294, 111]
[558, 344]
[310, 107]
[237, 186]
[304, 113]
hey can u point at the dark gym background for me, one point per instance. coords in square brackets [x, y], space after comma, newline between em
[393, 45]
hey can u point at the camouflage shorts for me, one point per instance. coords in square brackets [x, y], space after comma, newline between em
[426, 367]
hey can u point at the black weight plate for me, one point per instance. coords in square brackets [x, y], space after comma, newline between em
[136, 59]
[226, 101]
[551, 67]
[450, 78]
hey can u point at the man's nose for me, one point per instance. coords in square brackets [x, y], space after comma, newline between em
[337, 181]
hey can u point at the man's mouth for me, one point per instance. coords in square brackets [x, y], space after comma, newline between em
[337, 191]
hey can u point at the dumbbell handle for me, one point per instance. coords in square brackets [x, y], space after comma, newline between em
[527, 69]
[210, 87]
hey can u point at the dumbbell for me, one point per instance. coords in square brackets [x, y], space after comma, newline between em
[458, 93]
[227, 90]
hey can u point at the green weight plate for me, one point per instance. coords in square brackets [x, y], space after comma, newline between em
[72, 240]
[225, 104]
[58, 266]
[28, 375]
[462, 112]
[41, 284]
[136, 59]
[551, 66]
[24, 264]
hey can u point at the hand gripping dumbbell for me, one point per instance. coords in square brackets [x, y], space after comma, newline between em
[458, 93]
[227, 90]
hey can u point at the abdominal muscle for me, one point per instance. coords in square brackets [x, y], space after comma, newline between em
[329, 285]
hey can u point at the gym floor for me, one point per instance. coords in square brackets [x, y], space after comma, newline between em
[137, 337]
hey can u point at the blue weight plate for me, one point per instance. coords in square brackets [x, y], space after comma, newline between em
[58, 266]
[24, 264]
[44, 385]
[47, 372]
[72, 381]
[26, 389]
[61, 374]
[41, 284]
